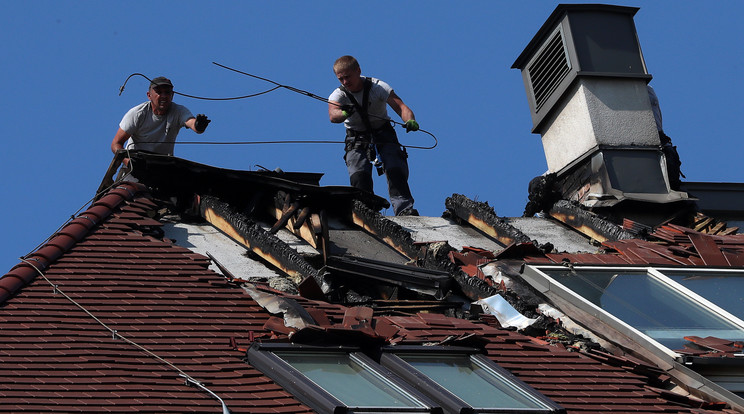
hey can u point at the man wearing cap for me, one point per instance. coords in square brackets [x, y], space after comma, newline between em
[153, 125]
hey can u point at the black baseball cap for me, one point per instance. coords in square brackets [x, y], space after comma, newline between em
[160, 81]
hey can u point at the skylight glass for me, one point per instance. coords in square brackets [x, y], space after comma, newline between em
[648, 304]
[349, 380]
[472, 381]
[724, 288]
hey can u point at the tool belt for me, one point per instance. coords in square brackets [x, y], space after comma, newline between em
[366, 141]
[356, 140]
[382, 135]
[375, 132]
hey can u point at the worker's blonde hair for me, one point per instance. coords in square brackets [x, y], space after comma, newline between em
[345, 63]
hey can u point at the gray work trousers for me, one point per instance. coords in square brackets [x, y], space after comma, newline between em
[393, 158]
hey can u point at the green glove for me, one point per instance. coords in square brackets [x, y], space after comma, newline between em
[347, 110]
[411, 125]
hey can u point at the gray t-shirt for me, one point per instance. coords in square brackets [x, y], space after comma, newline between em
[377, 109]
[150, 132]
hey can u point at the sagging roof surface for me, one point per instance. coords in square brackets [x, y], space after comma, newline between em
[126, 320]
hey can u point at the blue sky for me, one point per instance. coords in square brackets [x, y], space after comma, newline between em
[63, 64]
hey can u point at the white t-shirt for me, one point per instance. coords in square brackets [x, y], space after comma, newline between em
[155, 133]
[377, 109]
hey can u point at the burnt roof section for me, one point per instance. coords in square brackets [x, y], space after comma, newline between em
[483, 217]
[173, 176]
[587, 222]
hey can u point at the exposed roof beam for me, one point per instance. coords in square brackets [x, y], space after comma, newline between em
[434, 283]
[588, 223]
[296, 218]
[430, 256]
[482, 216]
[389, 232]
[266, 245]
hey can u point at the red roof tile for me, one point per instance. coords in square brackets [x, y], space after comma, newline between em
[152, 292]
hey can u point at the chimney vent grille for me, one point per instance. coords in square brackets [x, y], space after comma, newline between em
[549, 68]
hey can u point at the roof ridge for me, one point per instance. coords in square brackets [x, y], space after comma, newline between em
[66, 238]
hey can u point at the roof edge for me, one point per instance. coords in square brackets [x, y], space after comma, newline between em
[65, 239]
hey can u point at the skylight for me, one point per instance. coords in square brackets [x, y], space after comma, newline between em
[660, 306]
[473, 381]
[349, 379]
[337, 380]
[418, 379]
[462, 381]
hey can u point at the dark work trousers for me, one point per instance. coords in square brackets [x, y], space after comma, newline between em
[393, 161]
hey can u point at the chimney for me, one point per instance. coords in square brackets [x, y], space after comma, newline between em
[586, 83]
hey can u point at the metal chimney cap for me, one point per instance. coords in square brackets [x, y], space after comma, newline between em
[555, 17]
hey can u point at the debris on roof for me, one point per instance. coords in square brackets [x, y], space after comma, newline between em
[710, 225]
[669, 245]
[715, 347]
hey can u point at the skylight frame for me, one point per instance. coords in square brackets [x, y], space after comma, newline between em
[263, 357]
[563, 296]
[450, 402]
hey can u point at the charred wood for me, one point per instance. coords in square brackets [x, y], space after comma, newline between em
[388, 231]
[588, 223]
[269, 247]
[483, 217]
[433, 256]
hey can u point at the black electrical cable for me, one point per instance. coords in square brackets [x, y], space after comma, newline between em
[320, 98]
[121, 89]
[257, 142]
[286, 141]
[278, 85]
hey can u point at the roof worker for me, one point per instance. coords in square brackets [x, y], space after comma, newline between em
[153, 125]
[670, 151]
[361, 104]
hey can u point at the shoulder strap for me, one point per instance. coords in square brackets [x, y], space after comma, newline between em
[362, 109]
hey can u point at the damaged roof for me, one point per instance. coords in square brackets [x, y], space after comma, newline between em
[119, 311]
[668, 245]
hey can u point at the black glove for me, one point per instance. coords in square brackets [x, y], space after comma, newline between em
[201, 123]
[348, 110]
